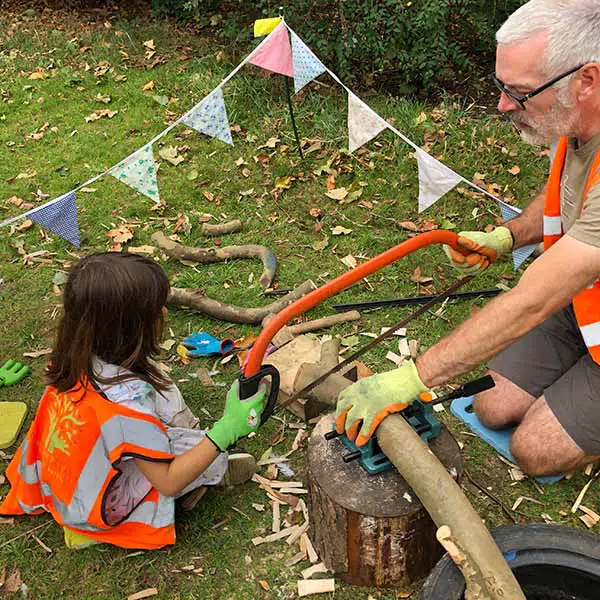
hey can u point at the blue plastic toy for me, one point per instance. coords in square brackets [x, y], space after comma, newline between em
[204, 344]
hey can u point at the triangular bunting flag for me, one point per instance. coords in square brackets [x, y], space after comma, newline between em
[209, 116]
[264, 26]
[276, 53]
[60, 217]
[520, 255]
[435, 179]
[363, 123]
[306, 65]
[139, 172]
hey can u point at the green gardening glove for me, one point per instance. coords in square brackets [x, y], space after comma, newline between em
[12, 372]
[240, 418]
[485, 248]
[367, 402]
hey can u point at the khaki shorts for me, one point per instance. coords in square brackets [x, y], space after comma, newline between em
[553, 360]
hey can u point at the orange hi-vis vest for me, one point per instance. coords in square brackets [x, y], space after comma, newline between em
[66, 464]
[586, 303]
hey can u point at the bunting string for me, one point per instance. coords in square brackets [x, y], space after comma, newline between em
[274, 53]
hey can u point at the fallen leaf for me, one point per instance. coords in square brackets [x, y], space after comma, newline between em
[321, 244]
[120, 235]
[39, 73]
[149, 86]
[422, 117]
[13, 583]
[104, 98]
[149, 44]
[284, 183]
[418, 278]
[171, 155]
[27, 174]
[208, 195]
[162, 100]
[272, 142]
[339, 230]
[349, 261]
[337, 193]
[515, 170]
[87, 190]
[264, 585]
[25, 225]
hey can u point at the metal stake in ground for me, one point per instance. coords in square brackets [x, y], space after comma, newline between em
[289, 101]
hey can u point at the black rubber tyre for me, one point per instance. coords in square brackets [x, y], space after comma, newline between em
[551, 562]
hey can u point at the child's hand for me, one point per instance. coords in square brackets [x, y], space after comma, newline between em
[12, 372]
[240, 418]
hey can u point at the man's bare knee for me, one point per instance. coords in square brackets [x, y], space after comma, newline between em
[525, 454]
[503, 405]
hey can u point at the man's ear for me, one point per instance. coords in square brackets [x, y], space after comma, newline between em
[589, 82]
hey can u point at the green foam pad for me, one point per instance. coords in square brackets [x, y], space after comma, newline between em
[12, 415]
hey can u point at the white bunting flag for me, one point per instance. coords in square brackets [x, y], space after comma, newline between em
[306, 65]
[139, 172]
[435, 179]
[520, 255]
[209, 116]
[363, 123]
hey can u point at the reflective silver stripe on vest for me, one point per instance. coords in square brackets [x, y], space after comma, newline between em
[591, 334]
[97, 469]
[29, 473]
[552, 225]
[159, 514]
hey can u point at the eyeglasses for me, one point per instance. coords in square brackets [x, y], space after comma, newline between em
[520, 99]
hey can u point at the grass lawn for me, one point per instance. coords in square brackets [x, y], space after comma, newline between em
[86, 64]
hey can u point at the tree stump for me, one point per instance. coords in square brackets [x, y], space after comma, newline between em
[371, 529]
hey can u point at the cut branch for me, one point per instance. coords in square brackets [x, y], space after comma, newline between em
[195, 298]
[221, 228]
[211, 255]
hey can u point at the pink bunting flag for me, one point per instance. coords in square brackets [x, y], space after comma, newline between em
[276, 53]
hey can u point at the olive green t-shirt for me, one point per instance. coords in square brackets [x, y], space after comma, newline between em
[581, 225]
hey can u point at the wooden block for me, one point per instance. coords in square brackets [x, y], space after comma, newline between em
[403, 347]
[310, 571]
[276, 526]
[295, 559]
[307, 587]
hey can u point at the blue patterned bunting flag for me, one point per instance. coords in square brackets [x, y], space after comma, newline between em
[306, 65]
[520, 255]
[139, 172]
[60, 217]
[209, 116]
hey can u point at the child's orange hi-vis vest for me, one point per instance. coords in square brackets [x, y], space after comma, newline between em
[586, 303]
[66, 464]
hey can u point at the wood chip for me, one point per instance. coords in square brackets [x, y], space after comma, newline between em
[290, 562]
[310, 571]
[589, 468]
[395, 358]
[582, 493]
[521, 498]
[516, 474]
[147, 593]
[399, 332]
[276, 526]
[403, 347]
[298, 533]
[310, 550]
[590, 513]
[414, 347]
[302, 433]
[258, 507]
[307, 587]
[547, 518]
[6, 521]
[257, 541]
[589, 521]
[204, 377]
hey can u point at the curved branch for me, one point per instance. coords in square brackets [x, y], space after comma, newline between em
[211, 255]
[195, 298]
[221, 228]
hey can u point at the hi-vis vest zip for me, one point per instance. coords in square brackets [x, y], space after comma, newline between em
[65, 466]
[586, 303]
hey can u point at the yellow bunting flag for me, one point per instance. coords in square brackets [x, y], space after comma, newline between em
[264, 26]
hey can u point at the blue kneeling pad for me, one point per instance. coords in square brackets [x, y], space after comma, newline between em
[462, 408]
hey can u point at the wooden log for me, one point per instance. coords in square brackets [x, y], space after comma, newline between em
[195, 298]
[370, 529]
[487, 574]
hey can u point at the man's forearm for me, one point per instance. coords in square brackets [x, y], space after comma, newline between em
[527, 228]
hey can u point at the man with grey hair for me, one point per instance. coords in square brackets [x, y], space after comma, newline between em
[544, 334]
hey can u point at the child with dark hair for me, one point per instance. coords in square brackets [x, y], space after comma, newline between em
[113, 443]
